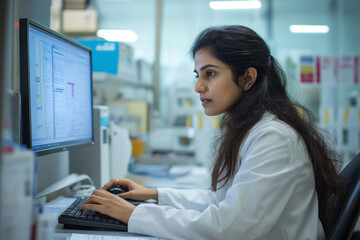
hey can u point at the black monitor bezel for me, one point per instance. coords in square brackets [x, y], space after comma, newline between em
[26, 132]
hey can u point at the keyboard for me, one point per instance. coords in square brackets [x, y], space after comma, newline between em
[75, 218]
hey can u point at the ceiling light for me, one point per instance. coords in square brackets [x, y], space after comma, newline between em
[309, 28]
[117, 35]
[218, 5]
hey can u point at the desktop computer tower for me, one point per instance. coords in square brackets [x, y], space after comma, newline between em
[120, 151]
[94, 160]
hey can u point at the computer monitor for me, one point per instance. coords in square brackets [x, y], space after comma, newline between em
[56, 90]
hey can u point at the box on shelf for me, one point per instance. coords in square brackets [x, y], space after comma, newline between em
[75, 4]
[79, 21]
[115, 58]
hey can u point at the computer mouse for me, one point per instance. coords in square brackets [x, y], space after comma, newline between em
[116, 190]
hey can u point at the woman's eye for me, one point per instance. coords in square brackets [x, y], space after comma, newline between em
[210, 74]
[196, 76]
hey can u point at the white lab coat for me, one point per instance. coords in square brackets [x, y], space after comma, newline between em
[272, 196]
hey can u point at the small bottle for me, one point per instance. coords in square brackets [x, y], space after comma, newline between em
[46, 223]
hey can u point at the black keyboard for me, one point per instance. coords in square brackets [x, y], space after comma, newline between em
[75, 218]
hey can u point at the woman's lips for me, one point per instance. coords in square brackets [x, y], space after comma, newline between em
[204, 101]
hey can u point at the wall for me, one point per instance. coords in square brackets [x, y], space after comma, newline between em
[182, 20]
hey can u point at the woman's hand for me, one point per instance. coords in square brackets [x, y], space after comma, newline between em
[107, 203]
[132, 190]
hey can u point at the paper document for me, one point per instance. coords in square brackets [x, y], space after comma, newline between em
[76, 236]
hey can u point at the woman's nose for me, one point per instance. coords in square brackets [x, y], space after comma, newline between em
[199, 86]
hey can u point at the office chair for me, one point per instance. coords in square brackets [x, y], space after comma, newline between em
[344, 209]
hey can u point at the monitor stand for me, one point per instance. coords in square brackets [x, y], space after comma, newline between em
[52, 168]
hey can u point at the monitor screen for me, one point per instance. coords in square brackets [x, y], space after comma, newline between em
[56, 90]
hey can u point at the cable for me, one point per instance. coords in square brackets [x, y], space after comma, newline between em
[82, 190]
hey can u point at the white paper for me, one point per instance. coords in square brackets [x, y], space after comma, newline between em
[61, 202]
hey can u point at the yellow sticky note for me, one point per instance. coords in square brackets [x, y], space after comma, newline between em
[200, 121]
[188, 121]
[188, 103]
[326, 113]
[346, 115]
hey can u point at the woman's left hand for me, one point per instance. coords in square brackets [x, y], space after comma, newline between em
[110, 204]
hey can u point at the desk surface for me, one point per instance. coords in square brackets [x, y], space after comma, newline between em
[178, 177]
[197, 178]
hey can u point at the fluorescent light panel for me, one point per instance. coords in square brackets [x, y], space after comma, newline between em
[309, 28]
[117, 35]
[220, 5]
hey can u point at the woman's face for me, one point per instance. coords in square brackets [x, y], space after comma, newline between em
[218, 92]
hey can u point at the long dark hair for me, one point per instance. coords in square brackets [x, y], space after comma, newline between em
[240, 48]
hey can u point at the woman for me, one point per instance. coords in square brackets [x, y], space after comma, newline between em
[272, 173]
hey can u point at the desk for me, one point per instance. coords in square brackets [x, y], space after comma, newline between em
[197, 178]
[60, 204]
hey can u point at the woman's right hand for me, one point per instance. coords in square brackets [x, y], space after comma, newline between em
[132, 190]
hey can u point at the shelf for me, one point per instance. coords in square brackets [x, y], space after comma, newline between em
[80, 34]
[105, 78]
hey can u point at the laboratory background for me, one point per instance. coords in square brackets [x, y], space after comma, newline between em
[150, 125]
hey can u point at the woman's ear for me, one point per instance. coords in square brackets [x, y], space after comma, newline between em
[249, 78]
